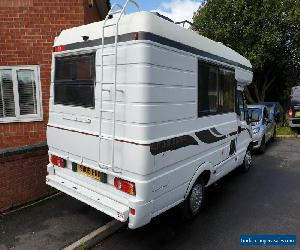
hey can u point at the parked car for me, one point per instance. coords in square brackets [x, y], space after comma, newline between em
[294, 108]
[275, 110]
[263, 126]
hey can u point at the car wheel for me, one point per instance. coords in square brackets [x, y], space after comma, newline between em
[247, 163]
[193, 203]
[262, 147]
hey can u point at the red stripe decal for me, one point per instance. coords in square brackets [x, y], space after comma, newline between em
[84, 133]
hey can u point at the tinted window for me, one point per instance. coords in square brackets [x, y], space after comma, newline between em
[74, 82]
[207, 89]
[216, 90]
[226, 91]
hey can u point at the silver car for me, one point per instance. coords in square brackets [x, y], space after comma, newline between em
[263, 126]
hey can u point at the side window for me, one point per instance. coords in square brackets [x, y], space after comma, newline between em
[216, 89]
[241, 106]
[226, 91]
[207, 89]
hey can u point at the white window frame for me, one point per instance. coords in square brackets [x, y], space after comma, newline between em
[31, 117]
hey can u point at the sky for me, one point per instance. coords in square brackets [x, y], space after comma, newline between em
[177, 10]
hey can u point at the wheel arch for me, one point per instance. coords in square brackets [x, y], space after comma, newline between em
[203, 171]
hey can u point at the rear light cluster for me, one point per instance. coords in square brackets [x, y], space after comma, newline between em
[290, 113]
[57, 161]
[125, 186]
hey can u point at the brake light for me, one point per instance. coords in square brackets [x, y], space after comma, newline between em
[290, 113]
[59, 48]
[125, 186]
[57, 161]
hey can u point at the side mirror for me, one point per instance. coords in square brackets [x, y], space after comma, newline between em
[267, 120]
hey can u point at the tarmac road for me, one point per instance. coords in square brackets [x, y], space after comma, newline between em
[266, 200]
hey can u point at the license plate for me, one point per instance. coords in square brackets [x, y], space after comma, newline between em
[297, 114]
[90, 172]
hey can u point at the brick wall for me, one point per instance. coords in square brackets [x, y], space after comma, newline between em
[27, 32]
[23, 178]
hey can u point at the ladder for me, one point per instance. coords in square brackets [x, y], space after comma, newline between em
[120, 10]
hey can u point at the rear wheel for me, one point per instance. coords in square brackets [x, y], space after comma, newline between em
[247, 163]
[262, 147]
[193, 203]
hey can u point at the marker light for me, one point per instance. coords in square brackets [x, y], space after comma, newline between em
[57, 161]
[59, 48]
[125, 186]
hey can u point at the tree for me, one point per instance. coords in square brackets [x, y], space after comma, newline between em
[264, 31]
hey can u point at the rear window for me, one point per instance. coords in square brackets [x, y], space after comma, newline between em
[74, 80]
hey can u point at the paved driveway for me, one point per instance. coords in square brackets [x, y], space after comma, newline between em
[265, 200]
[50, 224]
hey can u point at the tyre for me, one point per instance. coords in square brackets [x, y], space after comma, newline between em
[247, 163]
[192, 205]
[262, 147]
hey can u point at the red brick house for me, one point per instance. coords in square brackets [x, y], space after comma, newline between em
[27, 32]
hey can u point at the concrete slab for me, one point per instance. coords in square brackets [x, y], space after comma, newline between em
[51, 224]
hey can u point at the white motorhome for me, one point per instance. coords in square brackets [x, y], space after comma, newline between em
[144, 114]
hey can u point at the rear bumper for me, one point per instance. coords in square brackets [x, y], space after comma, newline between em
[94, 199]
[100, 197]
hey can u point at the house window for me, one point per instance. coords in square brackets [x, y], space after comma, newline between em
[20, 98]
[216, 90]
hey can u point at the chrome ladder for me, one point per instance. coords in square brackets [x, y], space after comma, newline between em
[121, 11]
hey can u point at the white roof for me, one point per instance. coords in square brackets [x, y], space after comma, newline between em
[149, 22]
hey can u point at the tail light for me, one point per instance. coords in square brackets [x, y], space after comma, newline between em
[125, 186]
[290, 113]
[132, 211]
[57, 161]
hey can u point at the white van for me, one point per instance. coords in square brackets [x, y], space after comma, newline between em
[143, 115]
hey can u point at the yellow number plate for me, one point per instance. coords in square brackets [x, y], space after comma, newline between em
[297, 114]
[89, 172]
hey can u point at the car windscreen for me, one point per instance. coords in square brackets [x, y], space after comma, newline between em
[74, 80]
[255, 113]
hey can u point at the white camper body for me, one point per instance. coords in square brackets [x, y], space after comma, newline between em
[161, 141]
